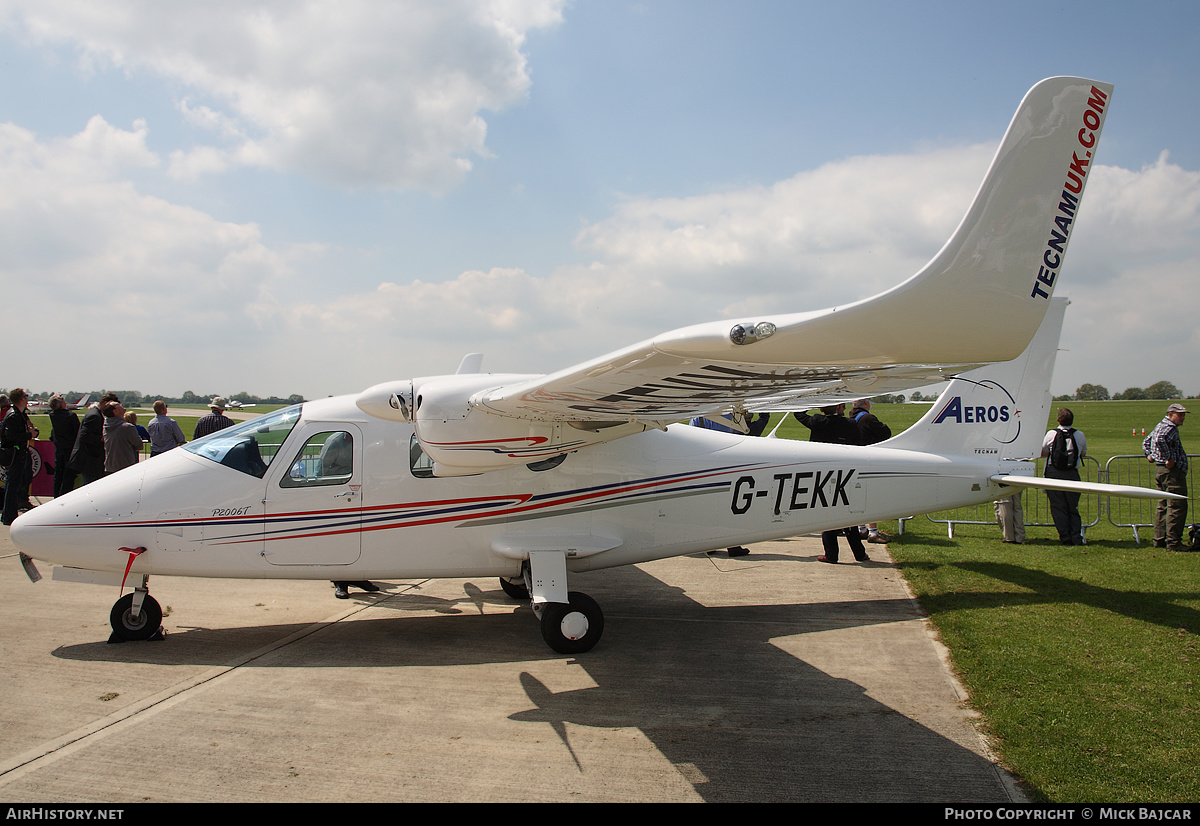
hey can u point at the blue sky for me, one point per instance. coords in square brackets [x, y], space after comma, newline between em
[311, 198]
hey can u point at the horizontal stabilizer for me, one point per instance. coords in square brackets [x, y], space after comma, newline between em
[1130, 491]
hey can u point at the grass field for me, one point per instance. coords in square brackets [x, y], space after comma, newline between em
[1083, 661]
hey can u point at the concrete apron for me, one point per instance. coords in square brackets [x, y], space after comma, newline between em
[769, 677]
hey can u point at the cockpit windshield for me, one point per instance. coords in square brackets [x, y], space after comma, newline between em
[249, 447]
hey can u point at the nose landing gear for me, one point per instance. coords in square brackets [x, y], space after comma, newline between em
[136, 616]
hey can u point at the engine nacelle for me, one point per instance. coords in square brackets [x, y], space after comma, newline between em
[463, 438]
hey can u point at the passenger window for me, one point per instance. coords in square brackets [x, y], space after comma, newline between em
[325, 459]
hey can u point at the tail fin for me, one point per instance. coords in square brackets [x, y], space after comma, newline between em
[999, 410]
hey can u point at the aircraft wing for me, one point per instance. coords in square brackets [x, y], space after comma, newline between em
[980, 300]
[697, 371]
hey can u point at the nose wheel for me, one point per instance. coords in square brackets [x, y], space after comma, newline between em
[130, 623]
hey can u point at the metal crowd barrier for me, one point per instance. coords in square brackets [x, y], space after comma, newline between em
[1122, 512]
[1135, 470]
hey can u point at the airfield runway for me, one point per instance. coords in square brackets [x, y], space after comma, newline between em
[769, 677]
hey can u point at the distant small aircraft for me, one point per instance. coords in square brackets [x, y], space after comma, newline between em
[236, 405]
[533, 478]
[38, 404]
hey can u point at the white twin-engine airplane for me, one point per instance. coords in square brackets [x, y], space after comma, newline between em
[45, 403]
[532, 478]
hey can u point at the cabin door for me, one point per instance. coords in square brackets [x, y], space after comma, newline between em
[314, 498]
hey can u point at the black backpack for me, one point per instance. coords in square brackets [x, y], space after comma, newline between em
[1060, 453]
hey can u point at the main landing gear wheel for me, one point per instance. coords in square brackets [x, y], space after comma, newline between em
[126, 627]
[574, 627]
[514, 588]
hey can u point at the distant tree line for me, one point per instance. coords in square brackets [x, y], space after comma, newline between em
[137, 398]
[1085, 393]
[1099, 393]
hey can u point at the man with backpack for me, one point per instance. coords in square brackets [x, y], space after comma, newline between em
[1063, 447]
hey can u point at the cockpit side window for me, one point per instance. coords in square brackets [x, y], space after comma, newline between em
[325, 459]
[249, 447]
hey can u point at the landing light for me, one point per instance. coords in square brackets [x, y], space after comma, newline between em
[743, 334]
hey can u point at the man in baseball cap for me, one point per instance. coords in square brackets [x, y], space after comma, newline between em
[1164, 449]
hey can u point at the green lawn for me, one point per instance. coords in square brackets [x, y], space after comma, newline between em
[1082, 660]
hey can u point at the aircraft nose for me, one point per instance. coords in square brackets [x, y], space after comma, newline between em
[29, 531]
[22, 529]
[84, 528]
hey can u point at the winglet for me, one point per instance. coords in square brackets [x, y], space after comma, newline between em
[983, 296]
[980, 300]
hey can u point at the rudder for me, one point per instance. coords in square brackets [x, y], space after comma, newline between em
[999, 410]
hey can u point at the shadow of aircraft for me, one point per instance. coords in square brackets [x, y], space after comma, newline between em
[1040, 587]
[740, 718]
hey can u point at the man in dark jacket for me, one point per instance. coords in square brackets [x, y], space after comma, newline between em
[15, 432]
[88, 455]
[64, 427]
[870, 429]
[832, 427]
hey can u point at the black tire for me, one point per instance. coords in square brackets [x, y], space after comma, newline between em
[516, 590]
[574, 627]
[148, 621]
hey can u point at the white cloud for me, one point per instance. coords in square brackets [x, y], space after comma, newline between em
[94, 264]
[855, 227]
[1131, 276]
[100, 264]
[356, 93]
[844, 231]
